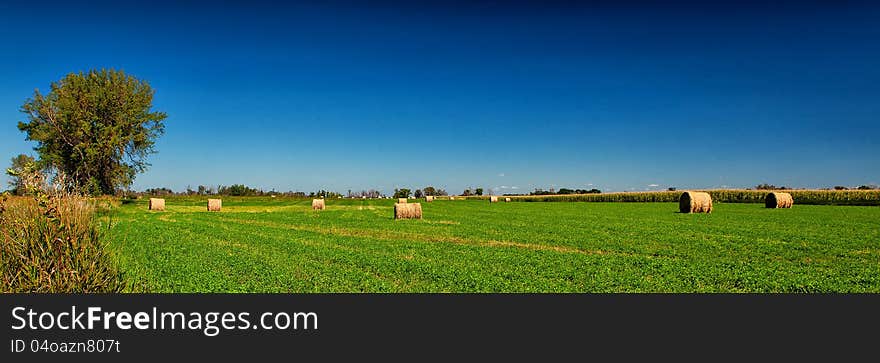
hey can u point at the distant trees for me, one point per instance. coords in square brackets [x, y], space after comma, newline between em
[564, 191]
[867, 187]
[97, 128]
[766, 186]
[241, 190]
[159, 191]
[479, 191]
[401, 193]
[372, 193]
[324, 194]
[418, 193]
[671, 189]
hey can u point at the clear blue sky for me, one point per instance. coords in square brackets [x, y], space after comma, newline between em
[344, 96]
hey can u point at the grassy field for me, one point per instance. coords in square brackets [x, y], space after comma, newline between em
[281, 245]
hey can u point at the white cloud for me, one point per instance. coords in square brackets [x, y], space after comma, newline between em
[653, 185]
[501, 174]
[514, 187]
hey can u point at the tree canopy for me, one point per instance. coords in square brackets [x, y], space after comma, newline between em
[97, 128]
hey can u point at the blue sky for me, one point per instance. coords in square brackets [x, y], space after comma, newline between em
[520, 95]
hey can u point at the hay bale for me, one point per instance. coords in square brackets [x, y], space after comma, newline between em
[401, 200]
[214, 205]
[451, 198]
[407, 211]
[778, 200]
[429, 198]
[493, 199]
[506, 200]
[318, 204]
[695, 202]
[157, 204]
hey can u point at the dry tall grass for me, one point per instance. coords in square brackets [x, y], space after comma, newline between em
[52, 244]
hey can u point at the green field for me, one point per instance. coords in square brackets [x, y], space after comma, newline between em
[281, 245]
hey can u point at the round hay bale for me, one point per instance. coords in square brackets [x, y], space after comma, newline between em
[318, 204]
[214, 205]
[493, 199]
[429, 198]
[506, 200]
[407, 211]
[778, 200]
[695, 202]
[451, 198]
[157, 204]
[401, 200]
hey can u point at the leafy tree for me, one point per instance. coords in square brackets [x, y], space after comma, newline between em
[867, 187]
[479, 191]
[429, 190]
[418, 193]
[23, 173]
[96, 127]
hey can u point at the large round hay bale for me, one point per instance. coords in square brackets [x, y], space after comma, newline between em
[318, 204]
[407, 211]
[429, 198]
[214, 205]
[778, 200]
[401, 200]
[695, 202]
[157, 204]
[493, 199]
[506, 200]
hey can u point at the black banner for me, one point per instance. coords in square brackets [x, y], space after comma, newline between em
[445, 326]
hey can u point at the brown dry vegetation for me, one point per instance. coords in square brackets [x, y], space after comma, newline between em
[53, 244]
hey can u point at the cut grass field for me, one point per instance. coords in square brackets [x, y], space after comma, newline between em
[282, 245]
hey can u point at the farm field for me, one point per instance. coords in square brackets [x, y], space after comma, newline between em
[260, 244]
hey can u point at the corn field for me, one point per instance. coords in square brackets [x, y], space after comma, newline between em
[827, 197]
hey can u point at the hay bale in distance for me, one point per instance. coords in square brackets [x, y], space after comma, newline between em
[695, 202]
[778, 200]
[506, 200]
[214, 205]
[401, 200]
[493, 199]
[318, 204]
[157, 204]
[451, 198]
[429, 198]
[407, 211]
